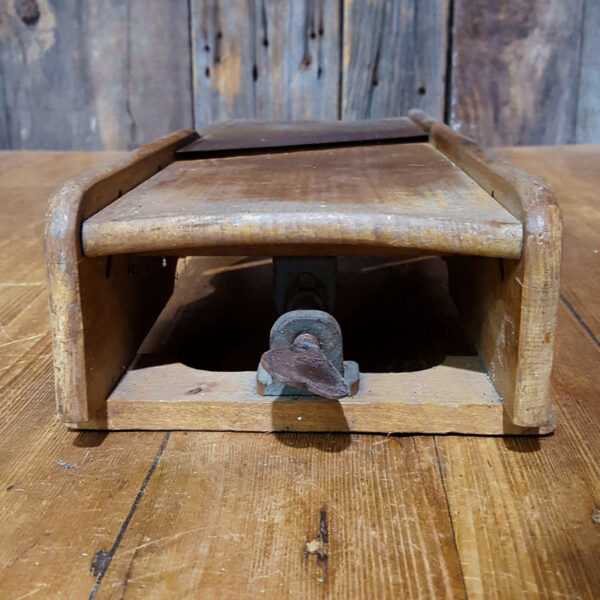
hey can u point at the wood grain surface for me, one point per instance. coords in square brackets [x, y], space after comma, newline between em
[120, 74]
[516, 71]
[265, 60]
[155, 515]
[394, 57]
[383, 198]
[98, 75]
[588, 109]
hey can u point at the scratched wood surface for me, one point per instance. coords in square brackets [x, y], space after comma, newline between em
[158, 515]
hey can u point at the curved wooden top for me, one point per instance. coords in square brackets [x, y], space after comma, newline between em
[377, 199]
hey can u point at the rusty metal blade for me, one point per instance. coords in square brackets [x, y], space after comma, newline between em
[239, 137]
[305, 366]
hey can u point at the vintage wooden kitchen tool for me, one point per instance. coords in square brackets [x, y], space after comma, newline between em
[304, 193]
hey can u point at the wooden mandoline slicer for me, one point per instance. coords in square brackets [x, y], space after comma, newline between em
[315, 197]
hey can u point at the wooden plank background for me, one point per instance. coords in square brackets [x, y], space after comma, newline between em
[114, 75]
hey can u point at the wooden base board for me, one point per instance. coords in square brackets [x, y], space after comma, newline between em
[456, 396]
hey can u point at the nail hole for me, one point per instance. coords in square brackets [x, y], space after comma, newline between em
[421, 91]
[207, 72]
[28, 11]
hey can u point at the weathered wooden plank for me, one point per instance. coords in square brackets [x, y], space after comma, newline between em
[588, 105]
[265, 60]
[93, 75]
[394, 57]
[515, 71]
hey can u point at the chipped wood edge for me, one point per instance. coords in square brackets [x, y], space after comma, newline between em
[77, 199]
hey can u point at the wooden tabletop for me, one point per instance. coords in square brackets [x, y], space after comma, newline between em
[235, 515]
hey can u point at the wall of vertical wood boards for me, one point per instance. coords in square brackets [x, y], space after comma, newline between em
[106, 74]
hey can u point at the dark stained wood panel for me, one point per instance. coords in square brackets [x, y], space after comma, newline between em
[394, 57]
[265, 60]
[93, 75]
[515, 71]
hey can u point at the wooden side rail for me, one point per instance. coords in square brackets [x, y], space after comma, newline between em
[510, 306]
[114, 300]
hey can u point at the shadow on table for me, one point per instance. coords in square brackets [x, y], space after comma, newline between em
[288, 413]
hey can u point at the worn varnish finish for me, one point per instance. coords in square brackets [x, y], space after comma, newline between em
[446, 196]
[509, 307]
[379, 198]
[101, 309]
[93, 75]
[394, 57]
[521, 509]
[456, 396]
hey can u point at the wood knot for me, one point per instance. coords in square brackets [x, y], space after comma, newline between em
[28, 11]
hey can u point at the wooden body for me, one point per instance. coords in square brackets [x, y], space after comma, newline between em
[105, 301]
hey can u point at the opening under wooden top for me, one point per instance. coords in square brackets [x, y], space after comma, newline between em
[369, 199]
